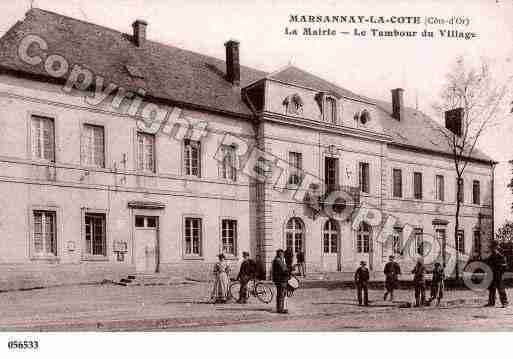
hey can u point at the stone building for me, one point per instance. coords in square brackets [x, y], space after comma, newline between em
[120, 155]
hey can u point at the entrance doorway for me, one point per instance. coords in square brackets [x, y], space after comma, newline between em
[331, 243]
[146, 244]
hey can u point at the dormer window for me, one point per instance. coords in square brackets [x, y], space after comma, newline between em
[330, 110]
[364, 117]
[293, 104]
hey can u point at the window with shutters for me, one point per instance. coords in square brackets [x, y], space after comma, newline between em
[192, 159]
[192, 236]
[43, 138]
[440, 190]
[397, 183]
[476, 192]
[44, 234]
[95, 234]
[228, 169]
[296, 167]
[364, 177]
[417, 185]
[93, 146]
[145, 152]
[229, 236]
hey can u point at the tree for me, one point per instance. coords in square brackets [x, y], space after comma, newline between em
[474, 100]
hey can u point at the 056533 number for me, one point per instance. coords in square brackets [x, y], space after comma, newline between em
[23, 344]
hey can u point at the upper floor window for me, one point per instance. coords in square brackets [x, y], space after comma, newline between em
[93, 146]
[44, 236]
[417, 185]
[331, 173]
[43, 138]
[192, 159]
[228, 169]
[296, 166]
[364, 178]
[440, 190]
[397, 183]
[476, 192]
[145, 152]
[460, 190]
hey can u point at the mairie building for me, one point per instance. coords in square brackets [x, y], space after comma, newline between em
[89, 190]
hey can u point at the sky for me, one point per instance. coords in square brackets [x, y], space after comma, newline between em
[370, 66]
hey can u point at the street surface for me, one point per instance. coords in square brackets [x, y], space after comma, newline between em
[186, 307]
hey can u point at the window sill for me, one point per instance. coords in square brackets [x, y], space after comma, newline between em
[95, 259]
[192, 258]
[50, 259]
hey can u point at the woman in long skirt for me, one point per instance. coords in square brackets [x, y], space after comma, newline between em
[222, 281]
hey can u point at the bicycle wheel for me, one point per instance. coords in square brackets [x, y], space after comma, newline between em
[234, 291]
[264, 293]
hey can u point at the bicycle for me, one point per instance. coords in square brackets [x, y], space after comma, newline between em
[259, 289]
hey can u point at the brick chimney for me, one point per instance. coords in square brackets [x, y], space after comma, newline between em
[454, 120]
[139, 27]
[397, 103]
[232, 62]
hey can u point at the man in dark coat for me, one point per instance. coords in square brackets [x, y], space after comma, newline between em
[419, 281]
[437, 283]
[289, 258]
[361, 279]
[246, 273]
[497, 263]
[392, 272]
[280, 276]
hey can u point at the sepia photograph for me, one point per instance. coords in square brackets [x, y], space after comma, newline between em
[242, 166]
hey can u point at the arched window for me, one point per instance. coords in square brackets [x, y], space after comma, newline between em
[363, 238]
[294, 234]
[330, 236]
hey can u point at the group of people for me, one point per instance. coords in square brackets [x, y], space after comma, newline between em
[496, 262]
[392, 272]
[248, 270]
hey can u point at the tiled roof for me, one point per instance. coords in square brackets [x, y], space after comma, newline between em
[181, 76]
[168, 72]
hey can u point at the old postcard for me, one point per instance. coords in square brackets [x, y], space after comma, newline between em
[295, 166]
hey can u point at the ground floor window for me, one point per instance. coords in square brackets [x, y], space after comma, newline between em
[192, 236]
[363, 238]
[460, 241]
[330, 237]
[44, 237]
[295, 234]
[396, 241]
[229, 236]
[95, 236]
[477, 242]
[419, 241]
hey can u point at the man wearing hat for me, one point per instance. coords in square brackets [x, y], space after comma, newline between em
[247, 272]
[280, 276]
[497, 263]
[361, 279]
[392, 272]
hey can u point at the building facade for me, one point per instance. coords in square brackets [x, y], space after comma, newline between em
[162, 174]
